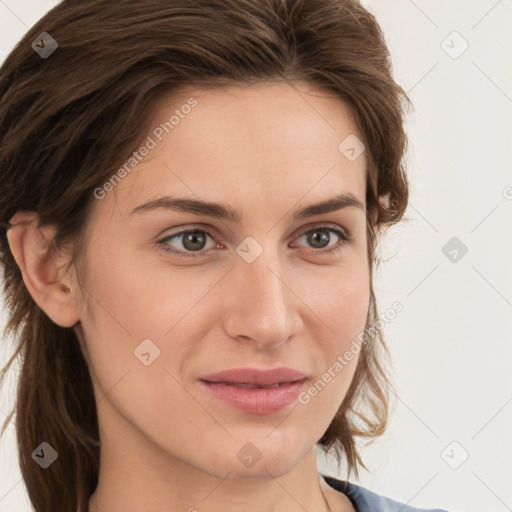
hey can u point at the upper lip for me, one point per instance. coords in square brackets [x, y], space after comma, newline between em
[255, 376]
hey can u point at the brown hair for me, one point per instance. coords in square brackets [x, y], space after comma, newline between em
[69, 120]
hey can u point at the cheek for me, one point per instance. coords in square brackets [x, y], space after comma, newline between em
[343, 307]
[126, 295]
[345, 312]
[342, 300]
[121, 313]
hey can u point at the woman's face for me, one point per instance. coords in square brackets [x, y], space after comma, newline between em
[266, 290]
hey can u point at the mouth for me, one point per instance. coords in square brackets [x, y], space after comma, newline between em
[252, 386]
[252, 399]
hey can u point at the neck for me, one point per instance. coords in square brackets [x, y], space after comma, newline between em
[145, 478]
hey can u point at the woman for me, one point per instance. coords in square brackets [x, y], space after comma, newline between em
[193, 194]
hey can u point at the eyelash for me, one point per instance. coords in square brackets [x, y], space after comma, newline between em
[345, 238]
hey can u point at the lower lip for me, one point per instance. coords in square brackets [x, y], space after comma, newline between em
[256, 400]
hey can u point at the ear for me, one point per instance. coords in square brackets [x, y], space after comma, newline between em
[43, 273]
[374, 213]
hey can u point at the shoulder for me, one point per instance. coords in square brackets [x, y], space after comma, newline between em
[365, 500]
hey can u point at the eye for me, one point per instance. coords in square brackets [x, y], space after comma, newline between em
[193, 241]
[322, 235]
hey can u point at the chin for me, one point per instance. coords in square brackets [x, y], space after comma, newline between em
[263, 457]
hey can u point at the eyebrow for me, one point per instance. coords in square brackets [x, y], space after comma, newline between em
[223, 211]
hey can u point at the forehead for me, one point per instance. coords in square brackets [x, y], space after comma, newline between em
[263, 115]
[264, 141]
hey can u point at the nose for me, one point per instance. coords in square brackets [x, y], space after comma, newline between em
[261, 307]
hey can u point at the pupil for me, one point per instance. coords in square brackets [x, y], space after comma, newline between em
[194, 237]
[322, 234]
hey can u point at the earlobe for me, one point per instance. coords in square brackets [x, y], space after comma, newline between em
[42, 272]
[374, 216]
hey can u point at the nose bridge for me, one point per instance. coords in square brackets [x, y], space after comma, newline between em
[260, 307]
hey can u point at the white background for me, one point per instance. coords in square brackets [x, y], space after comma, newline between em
[451, 344]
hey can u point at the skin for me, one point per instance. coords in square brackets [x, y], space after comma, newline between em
[167, 444]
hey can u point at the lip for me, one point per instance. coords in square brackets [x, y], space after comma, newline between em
[256, 376]
[229, 386]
